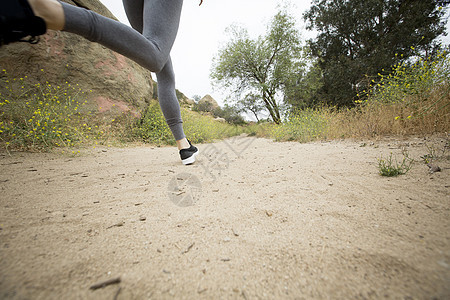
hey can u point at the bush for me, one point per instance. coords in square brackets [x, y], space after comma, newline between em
[42, 116]
[413, 99]
[390, 167]
[230, 114]
[303, 125]
[152, 127]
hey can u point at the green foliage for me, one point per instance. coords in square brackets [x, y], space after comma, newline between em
[419, 90]
[203, 129]
[430, 156]
[303, 126]
[435, 154]
[203, 106]
[152, 127]
[230, 114]
[251, 103]
[413, 99]
[412, 83]
[390, 167]
[359, 37]
[260, 66]
[302, 91]
[39, 117]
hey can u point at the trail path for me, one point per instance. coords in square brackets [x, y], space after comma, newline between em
[252, 219]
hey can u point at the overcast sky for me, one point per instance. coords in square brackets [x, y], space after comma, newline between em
[202, 33]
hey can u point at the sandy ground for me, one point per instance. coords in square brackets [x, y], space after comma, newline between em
[252, 219]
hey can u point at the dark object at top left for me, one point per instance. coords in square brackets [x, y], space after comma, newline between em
[18, 23]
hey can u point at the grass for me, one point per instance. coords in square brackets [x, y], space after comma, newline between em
[199, 128]
[41, 116]
[435, 154]
[390, 167]
[413, 99]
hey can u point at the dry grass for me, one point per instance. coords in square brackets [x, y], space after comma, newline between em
[378, 119]
[413, 99]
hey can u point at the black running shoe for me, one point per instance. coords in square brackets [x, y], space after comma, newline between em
[17, 21]
[188, 155]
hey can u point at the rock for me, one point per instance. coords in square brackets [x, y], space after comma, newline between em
[207, 103]
[234, 232]
[117, 83]
[220, 120]
[184, 100]
[118, 224]
[433, 168]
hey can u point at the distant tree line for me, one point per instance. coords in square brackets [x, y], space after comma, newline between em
[230, 114]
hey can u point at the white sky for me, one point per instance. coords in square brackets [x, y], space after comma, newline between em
[202, 33]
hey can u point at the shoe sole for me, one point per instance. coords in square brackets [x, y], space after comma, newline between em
[190, 160]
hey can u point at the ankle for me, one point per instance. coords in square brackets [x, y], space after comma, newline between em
[183, 144]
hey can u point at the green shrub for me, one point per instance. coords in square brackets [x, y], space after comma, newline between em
[42, 116]
[152, 127]
[303, 125]
[391, 167]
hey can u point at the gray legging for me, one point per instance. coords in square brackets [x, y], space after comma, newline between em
[155, 24]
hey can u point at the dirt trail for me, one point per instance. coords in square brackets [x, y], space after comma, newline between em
[252, 219]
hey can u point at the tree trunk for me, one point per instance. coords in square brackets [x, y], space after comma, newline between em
[273, 109]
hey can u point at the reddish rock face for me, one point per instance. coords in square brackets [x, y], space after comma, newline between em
[117, 83]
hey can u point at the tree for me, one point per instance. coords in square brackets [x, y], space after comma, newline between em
[230, 114]
[251, 103]
[360, 38]
[302, 91]
[260, 66]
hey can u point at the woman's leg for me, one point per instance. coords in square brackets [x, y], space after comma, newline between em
[157, 20]
[144, 16]
[168, 101]
[150, 49]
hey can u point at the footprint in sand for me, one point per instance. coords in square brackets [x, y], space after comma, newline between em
[184, 189]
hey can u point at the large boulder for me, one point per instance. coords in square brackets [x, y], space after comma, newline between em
[117, 83]
[184, 100]
[207, 103]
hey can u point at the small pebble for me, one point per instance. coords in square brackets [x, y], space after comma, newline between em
[434, 169]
